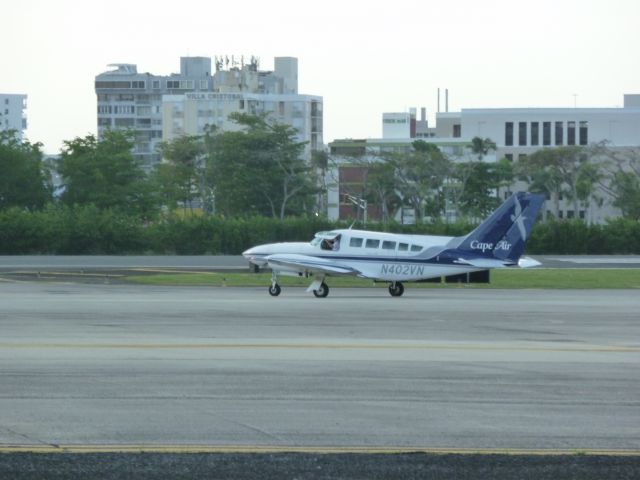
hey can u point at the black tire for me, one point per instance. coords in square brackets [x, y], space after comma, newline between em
[274, 290]
[323, 291]
[396, 291]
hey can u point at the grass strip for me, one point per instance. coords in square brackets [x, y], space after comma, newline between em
[553, 278]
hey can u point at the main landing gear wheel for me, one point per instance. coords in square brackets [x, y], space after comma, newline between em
[396, 289]
[274, 290]
[323, 291]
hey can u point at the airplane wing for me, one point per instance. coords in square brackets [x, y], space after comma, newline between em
[309, 264]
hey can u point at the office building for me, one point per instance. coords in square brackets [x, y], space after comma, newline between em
[517, 132]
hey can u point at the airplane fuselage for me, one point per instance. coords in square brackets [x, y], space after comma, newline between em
[375, 255]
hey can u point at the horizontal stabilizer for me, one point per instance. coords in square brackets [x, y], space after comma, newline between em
[528, 262]
[309, 264]
[484, 262]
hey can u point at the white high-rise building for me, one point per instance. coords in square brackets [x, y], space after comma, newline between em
[12, 113]
[161, 108]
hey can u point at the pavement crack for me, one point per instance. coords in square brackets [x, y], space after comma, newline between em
[29, 438]
[258, 430]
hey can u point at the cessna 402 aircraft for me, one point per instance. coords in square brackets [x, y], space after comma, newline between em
[497, 242]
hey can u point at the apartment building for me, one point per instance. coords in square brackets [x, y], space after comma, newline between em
[161, 108]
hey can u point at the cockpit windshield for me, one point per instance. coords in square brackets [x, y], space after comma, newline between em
[320, 236]
[326, 240]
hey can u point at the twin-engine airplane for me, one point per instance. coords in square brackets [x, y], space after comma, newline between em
[497, 242]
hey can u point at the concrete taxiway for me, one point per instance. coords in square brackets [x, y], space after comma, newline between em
[119, 366]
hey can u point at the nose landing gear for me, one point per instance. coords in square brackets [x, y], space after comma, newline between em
[274, 290]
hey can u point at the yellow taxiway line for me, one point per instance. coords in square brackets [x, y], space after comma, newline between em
[265, 449]
[325, 346]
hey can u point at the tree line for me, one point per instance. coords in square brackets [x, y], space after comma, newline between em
[433, 183]
[107, 201]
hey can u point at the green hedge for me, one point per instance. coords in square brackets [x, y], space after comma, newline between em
[88, 231]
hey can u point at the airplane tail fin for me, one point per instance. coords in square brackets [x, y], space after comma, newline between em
[504, 234]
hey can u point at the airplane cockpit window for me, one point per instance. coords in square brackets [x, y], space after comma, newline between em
[403, 247]
[355, 242]
[327, 240]
[372, 243]
[416, 248]
[388, 245]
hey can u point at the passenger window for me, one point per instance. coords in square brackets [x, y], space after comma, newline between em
[387, 245]
[372, 243]
[403, 247]
[355, 242]
[416, 248]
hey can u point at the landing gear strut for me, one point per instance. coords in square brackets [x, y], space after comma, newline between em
[396, 289]
[274, 289]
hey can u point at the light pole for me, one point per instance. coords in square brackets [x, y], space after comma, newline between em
[360, 203]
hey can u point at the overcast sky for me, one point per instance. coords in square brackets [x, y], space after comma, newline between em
[364, 58]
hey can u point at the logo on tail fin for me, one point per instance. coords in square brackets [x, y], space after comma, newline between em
[519, 219]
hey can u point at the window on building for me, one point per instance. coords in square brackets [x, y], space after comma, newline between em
[571, 133]
[546, 133]
[522, 133]
[584, 138]
[570, 214]
[508, 134]
[535, 133]
[559, 133]
[173, 84]
[509, 156]
[137, 84]
[522, 157]
[582, 214]
[457, 131]
[118, 84]
[156, 84]
[241, 105]
[124, 122]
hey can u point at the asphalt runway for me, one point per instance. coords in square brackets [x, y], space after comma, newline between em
[117, 369]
